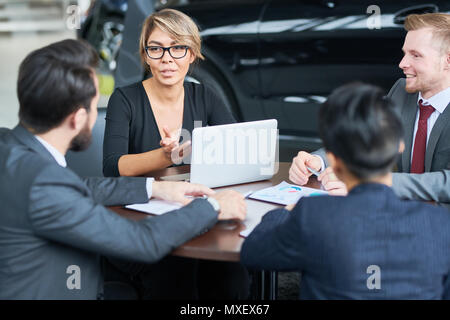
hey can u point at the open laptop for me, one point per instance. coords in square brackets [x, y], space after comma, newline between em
[232, 154]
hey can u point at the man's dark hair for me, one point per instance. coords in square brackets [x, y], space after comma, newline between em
[54, 82]
[360, 126]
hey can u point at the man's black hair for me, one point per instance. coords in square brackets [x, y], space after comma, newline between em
[361, 127]
[55, 81]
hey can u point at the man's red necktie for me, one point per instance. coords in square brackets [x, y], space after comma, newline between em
[420, 142]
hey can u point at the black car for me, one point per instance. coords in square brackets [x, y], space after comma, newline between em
[281, 58]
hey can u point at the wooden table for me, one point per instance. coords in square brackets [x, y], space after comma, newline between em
[223, 242]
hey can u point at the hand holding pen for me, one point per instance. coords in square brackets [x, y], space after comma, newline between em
[299, 173]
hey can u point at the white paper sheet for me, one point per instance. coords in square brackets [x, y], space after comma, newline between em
[155, 206]
[285, 193]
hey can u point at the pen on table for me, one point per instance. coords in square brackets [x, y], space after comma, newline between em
[316, 173]
[246, 195]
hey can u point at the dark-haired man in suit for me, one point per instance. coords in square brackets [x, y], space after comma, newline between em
[53, 224]
[423, 99]
[369, 244]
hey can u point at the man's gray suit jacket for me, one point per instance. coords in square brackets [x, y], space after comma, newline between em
[434, 184]
[53, 224]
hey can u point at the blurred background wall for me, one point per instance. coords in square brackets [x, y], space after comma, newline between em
[26, 25]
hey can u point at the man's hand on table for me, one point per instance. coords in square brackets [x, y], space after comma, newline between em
[331, 183]
[232, 205]
[177, 191]
[299, 174]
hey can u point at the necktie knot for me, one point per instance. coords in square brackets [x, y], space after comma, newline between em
[425, 111]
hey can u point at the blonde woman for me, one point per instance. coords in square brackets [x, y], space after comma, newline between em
[144, 120]
[143, 123]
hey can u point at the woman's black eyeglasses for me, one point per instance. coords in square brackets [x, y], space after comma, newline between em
[157, 52]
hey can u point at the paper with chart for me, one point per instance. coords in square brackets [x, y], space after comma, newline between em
[285, 193]
[155, 206]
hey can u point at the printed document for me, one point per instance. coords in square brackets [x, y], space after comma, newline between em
[285, 193]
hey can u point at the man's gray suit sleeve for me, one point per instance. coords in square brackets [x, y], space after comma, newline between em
[61, 210]
[428, 186]
[321, 153]
[117, 191]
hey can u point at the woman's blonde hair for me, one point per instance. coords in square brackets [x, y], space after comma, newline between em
[439, 22]
[178, 25]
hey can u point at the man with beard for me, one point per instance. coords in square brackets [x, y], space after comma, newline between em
[423, 99]
[53, 224]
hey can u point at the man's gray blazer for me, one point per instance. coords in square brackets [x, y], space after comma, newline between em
[434, 184]
[53, 224]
